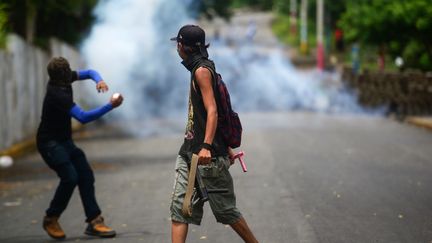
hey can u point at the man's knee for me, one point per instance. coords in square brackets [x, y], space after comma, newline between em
[177, 223]
[85, 172]
[78, 154]
[86, 176]
[69, 179]
[229, 216]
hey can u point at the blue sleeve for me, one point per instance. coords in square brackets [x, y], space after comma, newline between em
[89, 74]
[88, 116]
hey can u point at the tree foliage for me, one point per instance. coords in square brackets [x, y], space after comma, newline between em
[222, 8]
[403, 28]
[258, 4]
[37, 21]
[3, 21]
[212, 8]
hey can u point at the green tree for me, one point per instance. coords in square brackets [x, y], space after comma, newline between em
[212, 8]
[402, 28]
[222, 8]
[333, 10]
[258, 4]
[37, 21]
[3, 21]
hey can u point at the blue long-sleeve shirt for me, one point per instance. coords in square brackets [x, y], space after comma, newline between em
[89, 74]
[58, 108]
[88, 116]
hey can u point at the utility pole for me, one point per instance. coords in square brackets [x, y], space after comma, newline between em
[320, 34]
[303, 26]
[293, 17]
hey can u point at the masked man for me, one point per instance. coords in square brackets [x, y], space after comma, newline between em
[202, 137]
[55, 144]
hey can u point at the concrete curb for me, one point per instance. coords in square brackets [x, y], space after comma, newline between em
[424, 122]
[21, 148]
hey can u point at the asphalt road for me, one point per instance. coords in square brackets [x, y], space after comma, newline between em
[312, 178]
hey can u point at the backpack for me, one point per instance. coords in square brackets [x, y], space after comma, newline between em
[229, 124]
[228, 120]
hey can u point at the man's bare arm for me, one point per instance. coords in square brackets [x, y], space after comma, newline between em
[204, 80]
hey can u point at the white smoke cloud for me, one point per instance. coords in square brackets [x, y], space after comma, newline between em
[130, 46]
[266, 80]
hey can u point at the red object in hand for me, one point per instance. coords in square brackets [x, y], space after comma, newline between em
[239, 156]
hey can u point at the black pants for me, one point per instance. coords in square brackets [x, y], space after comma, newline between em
[72, 167]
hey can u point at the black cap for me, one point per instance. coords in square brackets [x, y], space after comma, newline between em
[190, 35]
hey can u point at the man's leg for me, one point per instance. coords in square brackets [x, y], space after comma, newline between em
[180, 223]
[243, 231]
[96, 226]
[86, 182]
[223, 205]
[57, 158]
[178, 232]
[68, 181]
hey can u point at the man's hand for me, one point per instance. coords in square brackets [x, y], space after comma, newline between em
[116, 101]
[204, 157]
[101, 86]
[231, 155]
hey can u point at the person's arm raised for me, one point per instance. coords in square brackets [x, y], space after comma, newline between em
[101, 86]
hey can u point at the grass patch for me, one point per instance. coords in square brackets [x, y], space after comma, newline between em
[281, 28]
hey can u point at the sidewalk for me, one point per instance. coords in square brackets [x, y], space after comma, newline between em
[29, 145]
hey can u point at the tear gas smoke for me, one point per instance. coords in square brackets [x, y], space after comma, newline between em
[130, 46]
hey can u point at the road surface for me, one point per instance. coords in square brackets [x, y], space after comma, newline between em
[312, 178]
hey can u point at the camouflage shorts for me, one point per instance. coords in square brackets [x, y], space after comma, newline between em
[215, 175]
